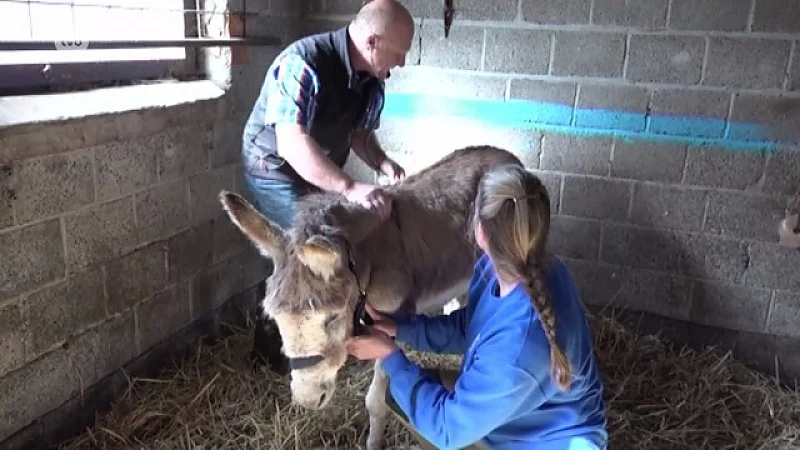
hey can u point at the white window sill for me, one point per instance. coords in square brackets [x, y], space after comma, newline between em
[31, 109]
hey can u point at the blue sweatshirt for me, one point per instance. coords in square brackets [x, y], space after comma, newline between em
[504, 396]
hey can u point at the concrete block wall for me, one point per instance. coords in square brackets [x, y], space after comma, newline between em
[114, 249]
[665, 131]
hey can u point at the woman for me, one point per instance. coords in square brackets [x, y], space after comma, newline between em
[529, 378]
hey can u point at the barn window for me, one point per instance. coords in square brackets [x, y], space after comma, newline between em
[42, 43]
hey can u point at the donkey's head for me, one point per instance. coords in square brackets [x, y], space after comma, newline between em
[312, 294]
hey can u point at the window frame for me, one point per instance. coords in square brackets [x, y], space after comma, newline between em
[40, 78]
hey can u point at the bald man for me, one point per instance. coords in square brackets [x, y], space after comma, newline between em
[323, 96]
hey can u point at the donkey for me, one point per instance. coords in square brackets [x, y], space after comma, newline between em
[338, 255]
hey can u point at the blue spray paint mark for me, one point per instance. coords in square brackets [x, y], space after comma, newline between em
[525, 114]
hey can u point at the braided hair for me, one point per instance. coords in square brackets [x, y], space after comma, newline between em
[513, 209]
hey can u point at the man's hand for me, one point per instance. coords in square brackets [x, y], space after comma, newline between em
[392, 170]
[372, 197]
[375, 345]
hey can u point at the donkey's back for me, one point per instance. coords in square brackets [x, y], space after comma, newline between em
[424, 254]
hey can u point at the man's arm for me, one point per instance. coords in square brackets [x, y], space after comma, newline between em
[300, 150]
[291, 105]
[366, 146]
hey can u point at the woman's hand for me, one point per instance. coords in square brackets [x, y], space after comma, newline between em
[376, 345]
[382, 322]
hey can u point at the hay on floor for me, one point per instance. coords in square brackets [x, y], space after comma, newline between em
[658, 398]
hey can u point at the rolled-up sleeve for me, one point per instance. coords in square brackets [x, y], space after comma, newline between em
[292, 92]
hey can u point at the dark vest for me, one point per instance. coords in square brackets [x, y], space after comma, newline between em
[343, 99]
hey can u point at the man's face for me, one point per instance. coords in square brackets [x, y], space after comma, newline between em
[390, 50]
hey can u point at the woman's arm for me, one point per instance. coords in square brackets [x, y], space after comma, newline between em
[485, 395]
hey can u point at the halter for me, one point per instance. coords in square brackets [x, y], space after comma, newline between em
[361, 319]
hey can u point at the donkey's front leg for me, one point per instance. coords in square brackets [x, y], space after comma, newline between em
[377, 408]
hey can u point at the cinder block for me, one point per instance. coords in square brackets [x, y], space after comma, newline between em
[714, 258]
[556, 12]
[655, 58]
[218, 283]
[125, 166]
[29, 392]
[342, 7]
[99, 233]
[463, 49]
[282, 8]
[498, 10]
[189, 252]
[588, 155]
[551, 182]
[643, 14]
[676, 112]
[599, 284]
[764, 118]
[445, 83]
[6, 208]
[31, 256]
[588, 54]
[161, 316]
[183, 152]
[686, 254]
[773, 266]
[574, 238]
[668, 207]
[559, 97]
[517, 51]
[777, 16]
[12, 338]
[709, 15]
[135, 277]
[227, 146]
[162, 210]
[746, 62]
[663, 294]
[229, 241]
[785, 314]
[67, 308]
[782, 173]
[317, 25]
[729, 306]
[793, 79]
[102, 349]
[648, 161]
[423, 9]
[596, 198]
[204, 193]
[51, 185]
[722, 168]
[640, 248]
[744, 215]
[611, 107]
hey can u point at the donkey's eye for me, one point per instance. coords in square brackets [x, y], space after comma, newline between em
[331, 319]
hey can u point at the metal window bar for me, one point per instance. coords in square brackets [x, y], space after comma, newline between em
[196, 42]
[18, 79]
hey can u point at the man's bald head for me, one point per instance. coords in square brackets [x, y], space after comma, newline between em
[384, 17]
[382, 34]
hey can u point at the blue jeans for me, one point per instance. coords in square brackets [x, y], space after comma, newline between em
[275, 199]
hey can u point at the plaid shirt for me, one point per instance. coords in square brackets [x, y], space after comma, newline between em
[292, 96]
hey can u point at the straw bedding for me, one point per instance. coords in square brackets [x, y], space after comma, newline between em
[658, 398]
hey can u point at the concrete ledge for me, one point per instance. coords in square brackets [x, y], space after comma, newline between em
[32, 109]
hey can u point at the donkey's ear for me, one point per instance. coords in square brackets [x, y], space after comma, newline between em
[266, 235]
[321, 255]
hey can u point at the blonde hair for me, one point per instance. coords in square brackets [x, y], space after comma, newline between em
[513, 208]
